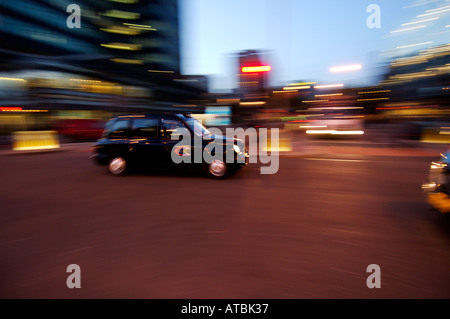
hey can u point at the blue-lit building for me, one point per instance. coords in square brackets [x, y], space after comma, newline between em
[123, 55]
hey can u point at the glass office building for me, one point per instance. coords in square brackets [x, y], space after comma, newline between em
[119, 52]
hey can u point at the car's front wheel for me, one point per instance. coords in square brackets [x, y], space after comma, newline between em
[217, 169]
[118, 166]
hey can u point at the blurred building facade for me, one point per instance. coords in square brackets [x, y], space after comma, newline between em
[253, 72]
[124, 56]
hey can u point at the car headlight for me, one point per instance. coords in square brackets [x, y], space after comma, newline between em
[438, 165]
[236, 148]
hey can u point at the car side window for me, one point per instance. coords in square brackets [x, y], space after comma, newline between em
[119, 129]
[172, 129]
[144, 128]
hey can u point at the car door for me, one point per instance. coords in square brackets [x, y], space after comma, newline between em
[145, 142]
[172, 128]
[116, 137]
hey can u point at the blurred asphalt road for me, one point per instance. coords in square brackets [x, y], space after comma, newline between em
[308, 231]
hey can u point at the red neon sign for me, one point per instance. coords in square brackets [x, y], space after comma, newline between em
[256, 69]
[10, 109]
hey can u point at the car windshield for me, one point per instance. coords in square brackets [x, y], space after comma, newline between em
[107, 128]
[198, 127]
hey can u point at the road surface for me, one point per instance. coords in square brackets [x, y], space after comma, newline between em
[308, 231]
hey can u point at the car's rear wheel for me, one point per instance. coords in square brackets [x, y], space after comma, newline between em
[217, 169]
[118, 166]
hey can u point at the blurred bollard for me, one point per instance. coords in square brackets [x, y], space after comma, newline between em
[35, 140]
[435, 135]
[284, 143]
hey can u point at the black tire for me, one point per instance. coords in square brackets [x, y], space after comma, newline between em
[217, 169]
[118, 165]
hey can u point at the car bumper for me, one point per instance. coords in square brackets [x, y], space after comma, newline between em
[100, 159]
[242, 160]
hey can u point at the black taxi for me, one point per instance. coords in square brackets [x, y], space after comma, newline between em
[152, 141]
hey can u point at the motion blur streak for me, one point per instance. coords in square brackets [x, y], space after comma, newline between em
[346, 68]
[251, 69]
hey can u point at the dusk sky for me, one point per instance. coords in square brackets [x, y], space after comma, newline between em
[304, 39]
